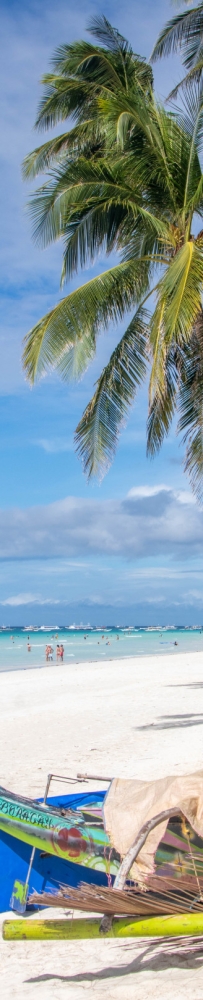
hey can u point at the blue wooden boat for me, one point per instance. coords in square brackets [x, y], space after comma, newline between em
[48, 870]
[69, 845]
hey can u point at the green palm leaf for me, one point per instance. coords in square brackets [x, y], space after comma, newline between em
[65, 148]
[178, 306]
[185, 31]
[126, 178]
[191, 406]
[97, 433]
[64, 98]
[88, 204]
[180, 289]
[82, 314]
[162, 408]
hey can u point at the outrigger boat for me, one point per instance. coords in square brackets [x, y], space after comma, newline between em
[61, 839]
[91, 834]
[64, 832]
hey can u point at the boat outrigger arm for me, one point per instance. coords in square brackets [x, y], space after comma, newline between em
[167, 925]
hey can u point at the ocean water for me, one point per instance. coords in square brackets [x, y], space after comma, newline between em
[93, 644]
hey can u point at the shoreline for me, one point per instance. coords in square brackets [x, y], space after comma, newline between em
[102, 661]
[83, 663]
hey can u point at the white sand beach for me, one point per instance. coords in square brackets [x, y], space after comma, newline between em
[88, 718]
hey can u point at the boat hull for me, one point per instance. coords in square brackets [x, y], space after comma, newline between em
[48, 871]
[63, 832]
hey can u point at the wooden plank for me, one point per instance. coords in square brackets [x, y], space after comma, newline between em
[44, 930]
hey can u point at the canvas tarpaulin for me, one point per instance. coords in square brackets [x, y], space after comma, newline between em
[130, 803]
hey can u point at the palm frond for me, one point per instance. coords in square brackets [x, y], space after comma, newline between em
[92, 205]
[89, 63]
[181, 289]
[113, 56]
[179, 302]
[97, 433]
[82, 314]
[182, 31]
[162, 407]
[76, 189]
[64, 98]
[43, 156]
[101, 28]
[98, 228]
[190, 120]
[82, 70]
[193, 77]
[158, 342]
[189, 115]
[126, 178]
[75, 358]
[84, 139]
[191, 406]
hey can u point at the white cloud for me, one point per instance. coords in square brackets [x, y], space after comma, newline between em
[54, 445]
[147, 491]
[163, 573]
[185, 497]
[150, 524]
[18, 599]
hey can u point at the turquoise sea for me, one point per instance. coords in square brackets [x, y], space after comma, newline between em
[82, 644]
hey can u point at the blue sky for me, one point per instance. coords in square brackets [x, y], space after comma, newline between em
[129, 548]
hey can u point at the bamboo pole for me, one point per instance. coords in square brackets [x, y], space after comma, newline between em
[179, 925]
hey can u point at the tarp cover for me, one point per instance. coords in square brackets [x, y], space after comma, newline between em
[130, 803]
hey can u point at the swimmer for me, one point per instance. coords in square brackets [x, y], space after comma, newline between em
[29, 647]
[175, 643]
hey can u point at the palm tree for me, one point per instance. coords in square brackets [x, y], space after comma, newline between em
[184, 32]
[126, 178]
